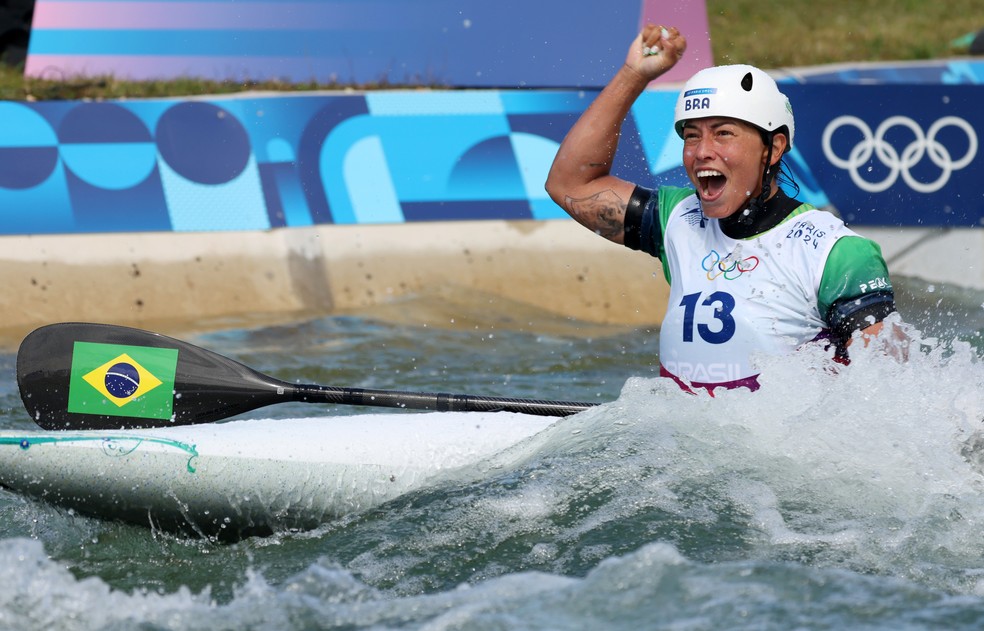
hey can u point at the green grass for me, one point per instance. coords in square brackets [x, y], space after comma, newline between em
[793, 33]
[15, 87]
[765, 33]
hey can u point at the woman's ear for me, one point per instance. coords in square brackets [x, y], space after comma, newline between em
[780, 143]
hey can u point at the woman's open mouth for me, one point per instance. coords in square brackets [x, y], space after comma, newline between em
[711, 183]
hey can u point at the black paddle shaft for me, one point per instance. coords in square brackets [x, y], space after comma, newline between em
[439, 401]
[98, 376]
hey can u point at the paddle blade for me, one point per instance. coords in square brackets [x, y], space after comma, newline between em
[97, 376]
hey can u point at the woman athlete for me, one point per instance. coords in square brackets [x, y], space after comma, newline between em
[750, 269]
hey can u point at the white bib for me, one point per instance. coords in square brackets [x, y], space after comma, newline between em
[732, 298]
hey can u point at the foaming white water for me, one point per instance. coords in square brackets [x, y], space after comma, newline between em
[869, 466]
[839, 494]
[652, 583]
[37, 593]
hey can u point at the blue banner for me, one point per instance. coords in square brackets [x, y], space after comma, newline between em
[892, 155]
[903, 155]
[436, 43]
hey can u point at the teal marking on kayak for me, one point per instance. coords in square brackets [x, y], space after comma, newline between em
[112, 445]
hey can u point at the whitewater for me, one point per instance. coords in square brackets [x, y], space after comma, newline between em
[834, 497]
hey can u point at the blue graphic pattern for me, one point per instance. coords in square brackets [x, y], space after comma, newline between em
[254, 163]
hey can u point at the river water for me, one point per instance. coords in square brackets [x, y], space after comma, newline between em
[824, 501]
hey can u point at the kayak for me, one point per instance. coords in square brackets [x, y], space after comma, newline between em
[256, 477]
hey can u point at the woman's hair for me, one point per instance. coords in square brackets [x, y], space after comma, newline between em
[784, 179]
[784, 175]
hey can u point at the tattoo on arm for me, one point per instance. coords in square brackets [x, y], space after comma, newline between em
[603, 212]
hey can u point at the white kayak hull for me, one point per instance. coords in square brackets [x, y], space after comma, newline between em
[255, 477]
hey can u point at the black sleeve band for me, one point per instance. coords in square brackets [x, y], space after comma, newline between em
[633, 216]
[853, 314]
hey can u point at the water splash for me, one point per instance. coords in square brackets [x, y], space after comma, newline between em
[849, 496]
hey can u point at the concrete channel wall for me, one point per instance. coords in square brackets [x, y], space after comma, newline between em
[182, 281]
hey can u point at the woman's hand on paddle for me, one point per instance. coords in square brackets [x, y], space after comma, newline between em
[655, 50]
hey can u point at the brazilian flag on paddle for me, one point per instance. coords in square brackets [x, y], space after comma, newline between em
[120, 380]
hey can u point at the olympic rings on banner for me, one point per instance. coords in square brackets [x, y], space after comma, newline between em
[924, 144]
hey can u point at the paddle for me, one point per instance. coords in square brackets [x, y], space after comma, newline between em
[97, 376]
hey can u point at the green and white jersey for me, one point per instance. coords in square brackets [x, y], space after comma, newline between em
[732, 299]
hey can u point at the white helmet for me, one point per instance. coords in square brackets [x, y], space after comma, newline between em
[739, 91]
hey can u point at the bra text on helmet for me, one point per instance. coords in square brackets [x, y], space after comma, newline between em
[696, 103]
[697, 99]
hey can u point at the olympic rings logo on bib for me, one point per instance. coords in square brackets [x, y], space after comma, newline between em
[924, 144]
[730, 266]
